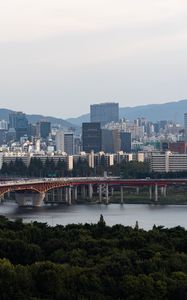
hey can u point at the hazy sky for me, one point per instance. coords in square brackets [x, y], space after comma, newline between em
[59, 56]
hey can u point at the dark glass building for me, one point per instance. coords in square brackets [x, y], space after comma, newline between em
[19, 122]
[111, 142]
[91, 137]
[45, 129]
[104, 112]
[125, 141]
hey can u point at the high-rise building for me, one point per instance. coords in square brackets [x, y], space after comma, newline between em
[111, 140]
[125, 141]
[59, 140]
[45, 129]
[77, 145]
[3, 134]
[3, 125]
[69, 143]
[185, 126]
[91, 137]
[104, 112]
[19, 122]
[32, 131]
[178, 147]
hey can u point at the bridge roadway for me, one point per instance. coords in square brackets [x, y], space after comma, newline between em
[35, 189]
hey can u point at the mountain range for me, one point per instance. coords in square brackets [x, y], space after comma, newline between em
[4, 115]
[154, 112]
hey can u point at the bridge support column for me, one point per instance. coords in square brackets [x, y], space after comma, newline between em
[163, 191]
[107, 197]
[1, 197]
[100, 193]
[83, 191]
[75, 193]
[121, 194]
[53, 195]
[156, 192]
[150, 192]
[60, 195]
[29, 199]
[90, 191]
[137, 191]
[66, 194]
[69, 196]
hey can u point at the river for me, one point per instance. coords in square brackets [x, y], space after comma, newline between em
[126, 214]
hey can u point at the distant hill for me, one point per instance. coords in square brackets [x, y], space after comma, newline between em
[154, 112]
[79, 120]
[4, 114]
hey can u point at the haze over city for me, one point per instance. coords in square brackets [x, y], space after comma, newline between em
[58, 57]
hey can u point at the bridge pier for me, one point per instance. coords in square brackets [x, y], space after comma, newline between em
[29, 199]
[90, 188]
[107, 197]
[150, 192]
[83, 191]
[75, 193]
[121, 194]
[100, 193]
[69, 195]
[164, 191]
[156, 192]
[66, 194]
[137, 191]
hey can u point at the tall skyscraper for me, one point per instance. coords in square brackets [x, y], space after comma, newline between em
[104, 112]
[91, 137]
[125, 141]
[69, 143]
[59, 140]
[45, 129]
[19, 122]
[185, 126]
[111, 142]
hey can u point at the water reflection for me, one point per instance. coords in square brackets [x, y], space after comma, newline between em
[126, 214]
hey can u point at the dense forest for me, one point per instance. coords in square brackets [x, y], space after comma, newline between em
[91, 261]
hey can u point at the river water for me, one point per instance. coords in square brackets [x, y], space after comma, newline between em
[126, 214]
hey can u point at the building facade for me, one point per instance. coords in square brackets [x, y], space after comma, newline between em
[104, 113]
[91, 137]
[19, 122]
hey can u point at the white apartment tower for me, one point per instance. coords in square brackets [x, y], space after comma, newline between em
[59, 140]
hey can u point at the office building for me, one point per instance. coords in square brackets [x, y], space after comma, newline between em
[185, 127]
[69, 143]
[59, 141]
[125, 141]
[45, 129]
[104, 113]
[178, 147]
[19, 122]
[91, 137]
[111, 142]
[3, 125]
[3, 134]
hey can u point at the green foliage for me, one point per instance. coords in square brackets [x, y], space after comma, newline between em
[91, 261]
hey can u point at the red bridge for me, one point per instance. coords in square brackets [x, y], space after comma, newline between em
[35, 189]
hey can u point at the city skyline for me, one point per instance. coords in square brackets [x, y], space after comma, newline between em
[62, 56]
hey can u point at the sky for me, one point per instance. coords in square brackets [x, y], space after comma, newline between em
[58, 57]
